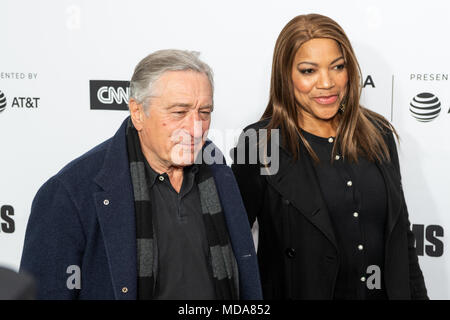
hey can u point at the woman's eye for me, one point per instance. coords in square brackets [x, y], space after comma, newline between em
[306, 71]
[340, 66]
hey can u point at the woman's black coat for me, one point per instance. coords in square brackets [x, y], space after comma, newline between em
[297, 250]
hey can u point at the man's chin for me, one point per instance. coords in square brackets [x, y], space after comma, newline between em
[187, 158]
[183, 163]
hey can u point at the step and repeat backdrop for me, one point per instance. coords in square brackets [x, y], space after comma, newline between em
[65, 67]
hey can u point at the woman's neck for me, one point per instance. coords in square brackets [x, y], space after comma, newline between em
[318, 127]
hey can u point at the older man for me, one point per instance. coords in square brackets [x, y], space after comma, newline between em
[141, 216]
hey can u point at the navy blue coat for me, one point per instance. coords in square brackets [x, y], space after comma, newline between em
[84, 216]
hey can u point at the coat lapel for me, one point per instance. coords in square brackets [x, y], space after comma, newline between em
[115, 210]
[239, 232]
[394, 197]
[298, 184]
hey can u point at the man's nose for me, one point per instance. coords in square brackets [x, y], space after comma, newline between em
[194, 125]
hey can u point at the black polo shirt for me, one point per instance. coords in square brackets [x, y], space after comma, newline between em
[356, 198]
[183, 270]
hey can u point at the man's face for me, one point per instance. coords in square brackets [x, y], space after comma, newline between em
[179, 114]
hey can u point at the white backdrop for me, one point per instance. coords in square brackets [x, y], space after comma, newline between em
[51, 49]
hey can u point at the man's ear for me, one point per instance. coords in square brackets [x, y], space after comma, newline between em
[137, 114]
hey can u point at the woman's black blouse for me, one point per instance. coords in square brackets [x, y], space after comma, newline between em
[355, 195]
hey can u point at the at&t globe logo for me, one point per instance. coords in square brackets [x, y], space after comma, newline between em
[2, 101]
[425, 107]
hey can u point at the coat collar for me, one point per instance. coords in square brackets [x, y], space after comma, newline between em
[115, 210]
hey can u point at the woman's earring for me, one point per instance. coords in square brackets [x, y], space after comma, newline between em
[342, 107]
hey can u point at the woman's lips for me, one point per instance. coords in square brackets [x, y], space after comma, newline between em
[326, 100]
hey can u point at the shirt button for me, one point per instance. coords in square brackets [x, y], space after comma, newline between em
[363, 279]
[161, 178]
[106, 202]
[356, 214]
[125, 290]
[337, 157]
[349, 183]
[360, 247]
[290, 252]
[330, 140]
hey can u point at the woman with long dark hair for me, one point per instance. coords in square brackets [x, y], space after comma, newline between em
[333, 222]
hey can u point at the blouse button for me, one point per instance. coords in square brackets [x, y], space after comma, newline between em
[356, 214]
[125, 290]
[349, 183]
[106, 202]
[330, 140]
[290, 252]
[161, 178]
[360, 247]
[337, 157]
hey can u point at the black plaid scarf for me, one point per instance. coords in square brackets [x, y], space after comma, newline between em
[222, 260]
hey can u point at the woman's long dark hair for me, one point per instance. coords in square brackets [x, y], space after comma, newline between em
[359, 131]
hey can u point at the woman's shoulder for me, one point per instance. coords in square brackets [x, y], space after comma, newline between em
[386, 130]
[261, 124]
[380, 122]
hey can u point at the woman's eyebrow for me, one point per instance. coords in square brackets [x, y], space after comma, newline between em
[315, 64]
[337, 59]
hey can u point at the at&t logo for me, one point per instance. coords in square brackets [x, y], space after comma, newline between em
[19, 102]
[425, 107]
[2, 101]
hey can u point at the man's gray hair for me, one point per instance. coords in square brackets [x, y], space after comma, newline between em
[152, 67]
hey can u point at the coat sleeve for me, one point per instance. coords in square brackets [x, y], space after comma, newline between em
[54, 243]
[246, 168]
[416, 280]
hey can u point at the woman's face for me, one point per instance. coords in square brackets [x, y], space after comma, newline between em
[320, 78]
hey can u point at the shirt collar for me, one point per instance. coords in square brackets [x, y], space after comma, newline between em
[153, 175]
